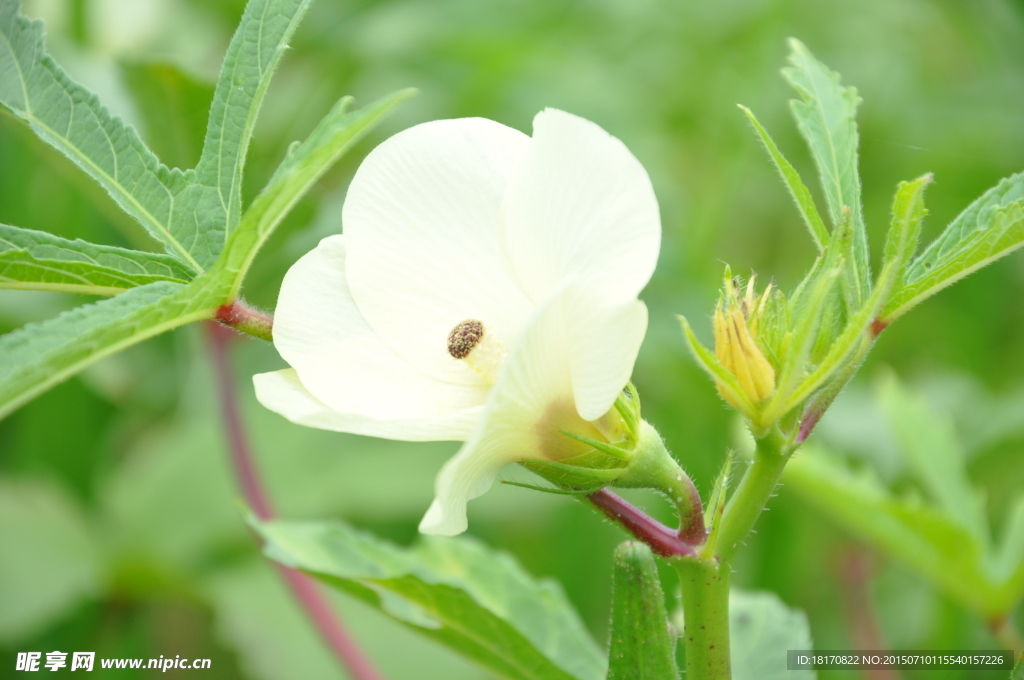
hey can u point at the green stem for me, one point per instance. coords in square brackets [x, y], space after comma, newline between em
[705, 587]
[753, 493]
[245, 319]
[653, 467]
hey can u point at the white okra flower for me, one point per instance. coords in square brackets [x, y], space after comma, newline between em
[484, 290]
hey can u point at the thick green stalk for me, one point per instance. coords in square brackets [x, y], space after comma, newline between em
[753, 493]
[705, 587]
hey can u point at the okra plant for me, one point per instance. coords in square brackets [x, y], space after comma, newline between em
[484, 286]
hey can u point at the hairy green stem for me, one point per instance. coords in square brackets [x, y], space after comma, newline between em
[653, 467]
[705, 585]
[753, 493]
[246, 319]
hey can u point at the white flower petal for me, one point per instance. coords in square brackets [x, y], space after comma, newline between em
[283, 392]
[531, 401]
[422, 222]
[603, 345]
[342, 362]
[580, 203]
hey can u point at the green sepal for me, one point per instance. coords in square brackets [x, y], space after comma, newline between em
[616, 452]
[627, 403]
[641, 647]
[548, 489]
[574, 477]
[716, 505]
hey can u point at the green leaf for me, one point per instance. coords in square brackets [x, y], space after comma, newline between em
[40, 261]
[41, 355]
[254, 53]
[71, 119]
[761, 630]
[641, 648]
[927, 540]
[274, 639]
[50, 559]
[908, 212]
[174, 108]
[930, 447]
[193, 212]
[826, 116]
[988, 229]
[455, 591]
[797, 189]
[335, 134]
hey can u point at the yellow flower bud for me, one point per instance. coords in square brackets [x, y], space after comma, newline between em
[736, 325]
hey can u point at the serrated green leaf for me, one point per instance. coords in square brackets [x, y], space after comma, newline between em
[258, 619]
[797, 189]
[641, 648]
[37, 260]
[174, 108]
[710, 363]
[41, 355]
[455, 591]
[925, 539]
[254, 53]
[908, 212]
[761, 630]
[335, 134]
[1018, 670]
[191, 213]
[71, 119]
[988, 229]
[50, 561]
[826, 116]
[936, 459]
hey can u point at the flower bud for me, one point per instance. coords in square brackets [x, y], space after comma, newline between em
[736, 324]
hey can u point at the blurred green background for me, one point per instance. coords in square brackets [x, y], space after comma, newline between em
[120, 531]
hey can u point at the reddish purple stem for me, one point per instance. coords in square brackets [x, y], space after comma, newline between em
[303, 587]
[662, 540]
